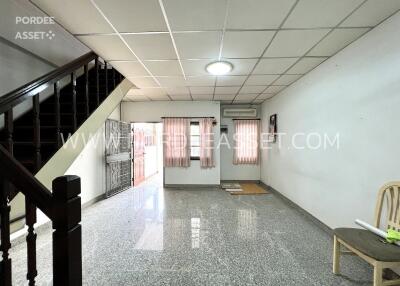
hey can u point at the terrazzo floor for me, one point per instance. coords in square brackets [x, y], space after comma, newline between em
[151, 236]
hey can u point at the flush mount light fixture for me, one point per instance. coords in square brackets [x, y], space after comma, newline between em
[219, 68]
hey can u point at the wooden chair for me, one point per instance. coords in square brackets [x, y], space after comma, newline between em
[369, 246]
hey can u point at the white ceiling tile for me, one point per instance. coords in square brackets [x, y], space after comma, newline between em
[200, 80]
[336, 41]
[190, 15]
[136, 98]
[109, 47]
[226, 89]
[252, 89]
[130, 69]
[258, 101]
[202, 96]
[274, 66]
[287, 79]
[242, 66]
[305, 65]
[136, 95]
[180, 97]
[198, 45]
[152, 46]
[261, 79]
[133, 15]
[372, 13]
[177, 91]
[142, 82]
[320, 13]
[202, 89]
[159, 98]
[195, 67]
[246, 96]
[172, 81]
[224, 96]
[257, 14]
[274, 88]
[231, 80]
[153, 92]
[242, 101]
[135, 91]
[164, 68]
[245, 44]
[265, 96]
[77, 16]
[294, 43]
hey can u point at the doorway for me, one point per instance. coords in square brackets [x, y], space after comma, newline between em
[147, 152]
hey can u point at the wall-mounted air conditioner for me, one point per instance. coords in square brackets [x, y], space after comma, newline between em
[240, 112]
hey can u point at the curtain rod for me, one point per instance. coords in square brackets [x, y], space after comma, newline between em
[246, 118]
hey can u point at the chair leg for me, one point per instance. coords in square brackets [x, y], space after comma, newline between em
[378, 279]
[336, 255]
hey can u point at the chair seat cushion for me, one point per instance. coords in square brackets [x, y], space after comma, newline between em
[369, 244]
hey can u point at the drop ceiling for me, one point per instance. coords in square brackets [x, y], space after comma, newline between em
[163, 46]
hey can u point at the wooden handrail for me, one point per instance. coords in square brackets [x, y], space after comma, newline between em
[32, 88]
[26, 183]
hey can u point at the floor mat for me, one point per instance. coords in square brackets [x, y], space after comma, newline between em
[250, 189]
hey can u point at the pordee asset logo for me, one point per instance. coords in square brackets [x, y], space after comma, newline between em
[34, 35]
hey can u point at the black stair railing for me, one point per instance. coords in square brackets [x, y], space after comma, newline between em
[29, 141]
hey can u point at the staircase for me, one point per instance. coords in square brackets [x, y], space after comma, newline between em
[58, 116]
[29, 141]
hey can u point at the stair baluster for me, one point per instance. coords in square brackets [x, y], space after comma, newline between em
[106, 76]
[96, 66]
[86, 90]
[57, 115]
[9, 126]
[113, 78]
[5, 264]
[36, 132]
[73, 87]
[30, 218]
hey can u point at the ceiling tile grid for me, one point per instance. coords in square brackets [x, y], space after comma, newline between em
[164, 46]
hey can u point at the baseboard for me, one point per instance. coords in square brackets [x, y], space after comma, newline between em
[241, 181]
[93, 201]
[305, 213]
[190, 186]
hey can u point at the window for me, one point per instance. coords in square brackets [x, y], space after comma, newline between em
[194, 141]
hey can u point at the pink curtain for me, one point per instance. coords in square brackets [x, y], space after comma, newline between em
[176, 138]
[246, 137]
[206, 143]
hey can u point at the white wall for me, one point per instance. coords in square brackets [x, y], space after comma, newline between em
[153, 111]
[59, 50]
[356, 93]
[90, 167]
[229, 171]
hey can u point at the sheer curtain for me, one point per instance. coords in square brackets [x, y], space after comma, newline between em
[176, 134]
[246, 137]
[206, 143]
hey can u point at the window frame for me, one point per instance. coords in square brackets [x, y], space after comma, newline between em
[194, 158]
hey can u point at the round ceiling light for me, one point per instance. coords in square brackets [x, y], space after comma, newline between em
[219, 68]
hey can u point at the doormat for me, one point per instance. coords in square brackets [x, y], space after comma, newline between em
[230, 186]
[250, 189]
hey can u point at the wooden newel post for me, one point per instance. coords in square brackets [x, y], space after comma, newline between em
[67, 235]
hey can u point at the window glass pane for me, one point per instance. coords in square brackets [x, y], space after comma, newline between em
[194, 129]
[195, 152]
[195, 140]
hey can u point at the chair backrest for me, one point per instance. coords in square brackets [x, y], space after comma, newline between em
[391, 193]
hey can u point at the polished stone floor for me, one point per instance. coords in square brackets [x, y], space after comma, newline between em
[151, 236]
